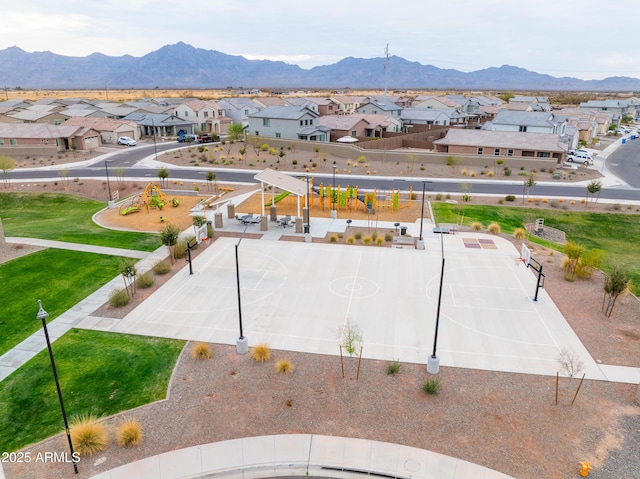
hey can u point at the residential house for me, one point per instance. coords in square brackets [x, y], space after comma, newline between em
[527, 122]
[109, 129]
[163, 125]
[207, 116]
[344, 125]
[291, 122]
[602, 119]
[537, 103]
[380, 108]
[424, 116]
[380, 123]
[347, 104]
[239, 109]
[502, 143]
[325, 106]
[44, 139]
[619, 108]
[40, 115]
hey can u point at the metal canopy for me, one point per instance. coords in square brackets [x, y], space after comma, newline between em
[282, 181]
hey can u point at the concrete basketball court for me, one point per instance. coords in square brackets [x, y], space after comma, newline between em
[296, 296]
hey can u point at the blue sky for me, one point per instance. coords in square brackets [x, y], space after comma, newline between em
[585, 39]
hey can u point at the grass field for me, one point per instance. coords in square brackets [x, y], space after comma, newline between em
[60, 278]
[100, 373]
[65, 218]
[616, 234]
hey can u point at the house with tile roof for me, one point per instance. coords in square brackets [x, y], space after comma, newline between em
[207, 116]
[424, 116]
[378, 107]
[108, 128]
[527, 122]
[239, 109]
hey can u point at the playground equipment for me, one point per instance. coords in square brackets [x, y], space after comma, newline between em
[151, 197]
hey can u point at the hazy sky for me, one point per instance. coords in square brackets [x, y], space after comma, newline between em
[585, 39]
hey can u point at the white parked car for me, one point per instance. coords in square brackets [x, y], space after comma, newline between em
[579, 151]
[125, 140]
[584, 158]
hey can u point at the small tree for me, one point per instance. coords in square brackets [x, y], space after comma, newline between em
[169, 236]
[128, 272]
[453, 162]
[594, 189]
[64, 176]
[411, 160]
[211, 178]
[615, 284]
[120, 172]
[163, 174]
[573, 252]
[527, 185]
[350, 337]
[6, 165]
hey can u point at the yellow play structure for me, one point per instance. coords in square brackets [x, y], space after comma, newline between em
[151, 197]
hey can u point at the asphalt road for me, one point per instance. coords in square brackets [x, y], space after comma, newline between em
[625, 163]
[623, 159]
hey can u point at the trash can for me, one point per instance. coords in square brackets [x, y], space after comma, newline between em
[633, 137]
[624, 140]
[306, 228]
[403, 230]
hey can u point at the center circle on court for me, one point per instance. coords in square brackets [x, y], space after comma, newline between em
[353, 287]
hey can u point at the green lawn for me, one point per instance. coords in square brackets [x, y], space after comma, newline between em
[100, 373]
[60, 278]
[618, 235]
[65, 218]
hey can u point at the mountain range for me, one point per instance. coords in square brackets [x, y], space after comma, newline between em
[181, 66]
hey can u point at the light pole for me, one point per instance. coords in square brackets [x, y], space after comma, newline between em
[307, 233]
[334, 213]
[420, 242]
[155, 148]
[43, 315]
[110, 201]
[433, 361]
[242, 344]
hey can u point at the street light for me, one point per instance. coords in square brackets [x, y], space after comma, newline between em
[110, 201]
[242, 344]
[334, 213]
[420, 242]
[433, 361]
[308, 232]
[43, 315]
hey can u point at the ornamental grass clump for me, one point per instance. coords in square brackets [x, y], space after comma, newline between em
[476, 226]
[145, 280]
[161, 267]
[284, 366]
[393, 367]
[88, 435]
[519, 233]
[431, 386]
[201, 351]
[129, 433]
[119, 298]
[261, 353]
[494, 228]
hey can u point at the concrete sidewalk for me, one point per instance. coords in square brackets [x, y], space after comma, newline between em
[300, 455]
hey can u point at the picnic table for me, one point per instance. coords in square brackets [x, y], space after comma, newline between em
[249, 219]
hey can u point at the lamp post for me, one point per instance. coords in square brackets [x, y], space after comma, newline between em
[155, 148]
[307, 233]
[110, 201]
[242, 344]
[420, 242]
[433, 361]
[334, 213]
[43, 315]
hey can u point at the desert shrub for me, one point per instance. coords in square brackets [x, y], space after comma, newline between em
[358, 235]
[351, 240]
[180, 249]
[380, 241]
[88, 435]
[438, 196]
[284, 366]
[393, 367]
[366, 240]
[161, 267]
[494, 228]
[388, 237]
[119, 298]
[476, 226]
[201, 351]
[145, 280]
[261, 353]
[510, 198]
[129, 433]
[333, 238]
[431, 386]
[519, 233]
[507, 171]
[565, 264]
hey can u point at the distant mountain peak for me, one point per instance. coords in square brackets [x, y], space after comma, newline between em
[181, 65]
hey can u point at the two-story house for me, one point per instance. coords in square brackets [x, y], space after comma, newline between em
[239, 109]
[528, 122]
[380, 107]
[291, 122]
